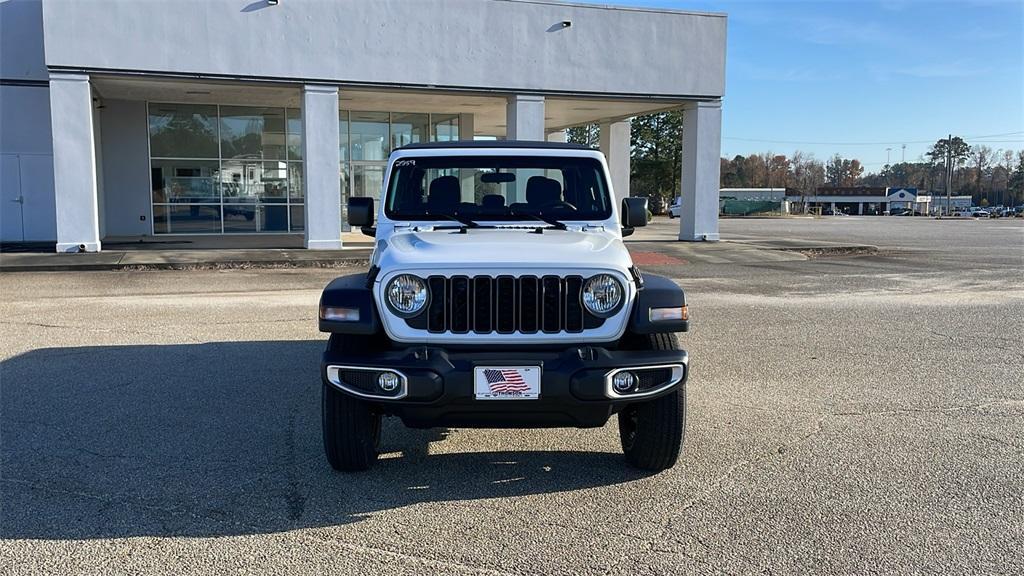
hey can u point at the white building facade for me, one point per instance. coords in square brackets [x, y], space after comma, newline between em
[126, 119]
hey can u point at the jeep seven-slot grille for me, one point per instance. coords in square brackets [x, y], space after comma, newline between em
[505, 304]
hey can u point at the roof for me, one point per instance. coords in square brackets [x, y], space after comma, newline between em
[477, 144]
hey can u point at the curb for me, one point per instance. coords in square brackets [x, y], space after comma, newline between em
[224, 265]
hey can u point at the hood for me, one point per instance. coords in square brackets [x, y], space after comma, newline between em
[503, 248]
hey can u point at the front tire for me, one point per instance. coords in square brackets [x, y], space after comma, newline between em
[351, 431]
[351, 428]
[652, 432]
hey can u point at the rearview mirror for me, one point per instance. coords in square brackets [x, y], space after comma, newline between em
[497, 177]
[634, 212]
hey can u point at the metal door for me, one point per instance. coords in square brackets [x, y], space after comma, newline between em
[12, 226]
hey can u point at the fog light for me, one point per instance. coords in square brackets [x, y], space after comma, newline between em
[388, 381]
[623, 381]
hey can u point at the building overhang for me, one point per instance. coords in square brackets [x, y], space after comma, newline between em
[500, 46]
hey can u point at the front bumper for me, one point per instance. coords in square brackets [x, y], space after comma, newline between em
[438, 387]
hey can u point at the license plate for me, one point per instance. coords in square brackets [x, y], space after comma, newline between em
[507, 382]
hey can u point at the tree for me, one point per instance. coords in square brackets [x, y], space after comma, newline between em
[588, 135]
[657, 155]
[843, 172]
[981, 157]
[958, 151]
[1016, 184]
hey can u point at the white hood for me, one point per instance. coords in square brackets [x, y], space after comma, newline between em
[505, 248]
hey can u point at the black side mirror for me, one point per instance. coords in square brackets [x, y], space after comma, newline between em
[634, 212]
[360, 214]
[360, 211]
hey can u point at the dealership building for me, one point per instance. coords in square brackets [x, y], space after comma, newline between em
[126, 120]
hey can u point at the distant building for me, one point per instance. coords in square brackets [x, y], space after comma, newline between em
[956, 204]
[864, 200]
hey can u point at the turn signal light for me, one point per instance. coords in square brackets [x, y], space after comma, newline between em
[337, 314]
[668, 314]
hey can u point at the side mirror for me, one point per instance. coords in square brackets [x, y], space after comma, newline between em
[360, 212]
[634, 212]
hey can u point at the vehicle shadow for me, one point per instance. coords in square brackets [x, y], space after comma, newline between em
[220, 438]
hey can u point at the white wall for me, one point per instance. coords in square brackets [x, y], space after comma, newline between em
[21, 40]
[25, 141]
[125, 156]
[25, 144]
[490, 44]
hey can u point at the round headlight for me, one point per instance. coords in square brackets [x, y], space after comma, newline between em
[407, 295]
[602, 295]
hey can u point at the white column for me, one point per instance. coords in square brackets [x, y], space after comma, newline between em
[467, 127]
[524, 117]
[74, 163]
[558, 136]
[614, 144]
[467, 178]
[702, 145]
[322, 183]
[860, 208]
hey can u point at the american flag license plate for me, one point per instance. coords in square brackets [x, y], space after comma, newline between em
[507, 382]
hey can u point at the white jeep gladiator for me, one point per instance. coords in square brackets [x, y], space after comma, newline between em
[500, 294]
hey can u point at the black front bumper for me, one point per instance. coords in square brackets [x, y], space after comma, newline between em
[440, 389]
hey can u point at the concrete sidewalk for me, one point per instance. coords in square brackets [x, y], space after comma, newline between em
[183, 259]
[650, 246]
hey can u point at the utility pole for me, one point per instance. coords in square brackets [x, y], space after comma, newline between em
[903, 157]
[887, 151]
[949, 170]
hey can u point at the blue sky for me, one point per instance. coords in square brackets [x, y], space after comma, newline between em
[884, 72]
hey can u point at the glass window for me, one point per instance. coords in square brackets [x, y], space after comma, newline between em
[408, 129]
[295, 190]
[186, 219]
[445, 127]
[294, 134]
[298, 217]
[248, 132]
[343, 152]
[369, 136]
[367, 180]
[185, 181]
[182, 131]
[240, 218]
[503, 188]
[246, 181]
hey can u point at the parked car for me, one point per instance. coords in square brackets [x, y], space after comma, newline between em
[676, 209]
[830, 212]
[517, 308]
[981, 214]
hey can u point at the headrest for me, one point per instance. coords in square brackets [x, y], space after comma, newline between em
[542, 191]
[444, 191]
[493, 201]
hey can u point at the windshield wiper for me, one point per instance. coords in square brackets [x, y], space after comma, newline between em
[467, 222]
[557, 224]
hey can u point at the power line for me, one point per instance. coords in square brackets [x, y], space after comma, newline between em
[896, 142]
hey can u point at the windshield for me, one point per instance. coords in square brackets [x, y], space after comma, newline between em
[497, 188]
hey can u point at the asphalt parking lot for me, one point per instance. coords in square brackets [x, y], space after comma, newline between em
[846, 414]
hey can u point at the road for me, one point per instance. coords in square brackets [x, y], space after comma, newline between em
[846, 415]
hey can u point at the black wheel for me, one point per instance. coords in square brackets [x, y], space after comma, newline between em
[652, 432]
[351, 428]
